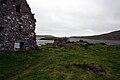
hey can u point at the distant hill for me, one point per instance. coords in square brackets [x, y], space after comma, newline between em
[108, 36]
[44, 36]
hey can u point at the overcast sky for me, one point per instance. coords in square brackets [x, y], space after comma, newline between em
[76, 17]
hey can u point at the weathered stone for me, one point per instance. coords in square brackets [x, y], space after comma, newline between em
[17, 26]
[60, 42]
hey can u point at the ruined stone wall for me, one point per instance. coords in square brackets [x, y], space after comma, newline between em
[17, 26]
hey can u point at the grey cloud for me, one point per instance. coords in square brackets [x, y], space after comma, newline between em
[76, 17]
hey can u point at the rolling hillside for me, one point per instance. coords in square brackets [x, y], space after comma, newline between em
[108, 36]
[45, 37]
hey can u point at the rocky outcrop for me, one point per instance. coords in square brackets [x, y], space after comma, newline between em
[60, 42]
[17, 26]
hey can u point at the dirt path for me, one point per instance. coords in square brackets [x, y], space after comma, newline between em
[26, 71]
[23, 73]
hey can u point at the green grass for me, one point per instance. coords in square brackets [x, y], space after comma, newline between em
[51, 63]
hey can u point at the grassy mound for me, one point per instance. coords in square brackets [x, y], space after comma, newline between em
[73, 62]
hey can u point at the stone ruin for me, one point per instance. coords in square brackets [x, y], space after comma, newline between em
[17, 26]
[60, 42]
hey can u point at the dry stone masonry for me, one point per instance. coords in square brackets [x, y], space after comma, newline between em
[17, 26]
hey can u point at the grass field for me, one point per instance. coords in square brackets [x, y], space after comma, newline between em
[65, 63]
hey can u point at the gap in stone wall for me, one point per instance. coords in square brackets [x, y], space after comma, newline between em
[3, 1]
[13, 0]
[18, 8]
[1, 28]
